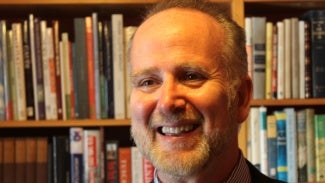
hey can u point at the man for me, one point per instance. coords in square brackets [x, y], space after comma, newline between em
[190, 94]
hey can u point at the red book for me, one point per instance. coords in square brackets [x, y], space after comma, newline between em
[148, 170]
[125, 164]
[91, 67]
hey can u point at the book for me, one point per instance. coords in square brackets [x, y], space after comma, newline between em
[2, 89]
[274, 64]
[319, 147]
[308, 66]
[258, 43]
[302, 58]
[13, 95]
[96, 41]
[91, 150]
[60, 158]
[280, 60]
[254, 124]
[118, 66]
[76, 154]
[136, 165]
[310, 143]
[302, 145]
[20, 159]
[282, 166]
[287, 59]
[91, 67]
[263, 140]
[28, 73]
[56, 52]
[291, 144]
[268, 59]
[295, 57]
[148, 171]
[249, 51]
[272, 146]
[19, 70]
[112, 161]
[124, 165]
[37, 56]
[316, 20]
[81, 71]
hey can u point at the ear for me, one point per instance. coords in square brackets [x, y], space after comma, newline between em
[244, 94]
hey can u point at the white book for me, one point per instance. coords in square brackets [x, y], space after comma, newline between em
[17, 42]
[291, 132]
[280, 50]
[91, 152]
[287, 59]
[263, 140]
[48, 72]
[302, 58]
[33, 61]
[65, 74]
[294, 58]
[128, 33]
[255, 136]
[118, 66]
[136, 165]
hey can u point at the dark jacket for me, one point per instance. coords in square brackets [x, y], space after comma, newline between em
[257, 176]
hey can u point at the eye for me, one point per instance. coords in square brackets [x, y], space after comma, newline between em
[147, 82]
[193, 76]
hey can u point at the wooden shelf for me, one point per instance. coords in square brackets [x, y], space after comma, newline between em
[64, 124]
[290, 102]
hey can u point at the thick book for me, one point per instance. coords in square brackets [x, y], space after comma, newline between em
[60, 159]
[316, 19]
[81, 71]
[137, 165]
[282, 166]
[291, 136]
[112, 161]
[319, 147]
[258, 43]
[76, 154]
[255, 137]
[118, 66]
[92, 149]
[28, 72]
[17, 45]
[263, 140]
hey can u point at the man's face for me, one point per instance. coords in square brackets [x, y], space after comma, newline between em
[180, 118]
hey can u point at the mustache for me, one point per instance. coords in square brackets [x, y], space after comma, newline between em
[172, 118]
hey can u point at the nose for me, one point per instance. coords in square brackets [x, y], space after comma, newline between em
[171, 98]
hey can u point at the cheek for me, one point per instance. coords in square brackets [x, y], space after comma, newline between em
[141, 107]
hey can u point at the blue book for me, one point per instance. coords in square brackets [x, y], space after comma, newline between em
[282, 166]
[291, 132]
[76, 154]
[272, 146]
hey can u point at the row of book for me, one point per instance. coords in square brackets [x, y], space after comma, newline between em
[285, 58]
[82, 157]
[47, 73]
[287, 144]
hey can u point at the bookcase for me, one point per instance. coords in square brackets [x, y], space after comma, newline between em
[66, 10]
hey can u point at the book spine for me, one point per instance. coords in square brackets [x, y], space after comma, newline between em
[91, 67]
[310, 140]
[268, 60]
[258, 42]
[302, 59]
[319, 147]
[291, 145]
[118, 66]
[282, 166]
[76, 153]
[19, 71]
[280, 59]
[137, 165]
[302, 145]
[41, 159]
[274, 70]
[125, 165]
[91, 155]
[287, 59]
[112, 161]
[294, 57]
[96, 63]
[272, 146]
[255, 137]
[263, 140]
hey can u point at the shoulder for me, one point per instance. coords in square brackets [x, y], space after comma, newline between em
[258, 177]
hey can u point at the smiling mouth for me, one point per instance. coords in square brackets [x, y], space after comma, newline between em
[176, 131]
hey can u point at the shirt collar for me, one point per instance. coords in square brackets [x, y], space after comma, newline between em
[239, 174]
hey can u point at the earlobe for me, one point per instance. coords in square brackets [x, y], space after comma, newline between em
[244, 95]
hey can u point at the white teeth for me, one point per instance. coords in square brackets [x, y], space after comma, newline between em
[176, 130]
